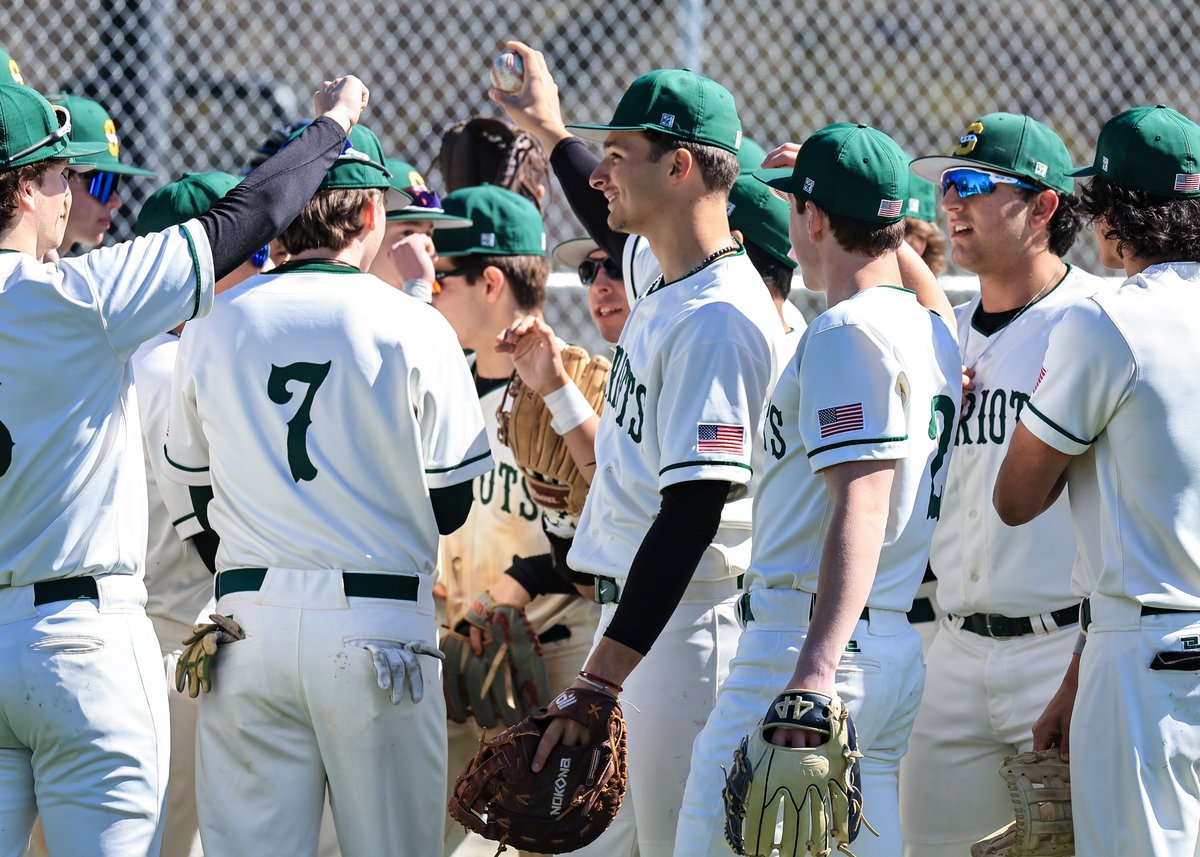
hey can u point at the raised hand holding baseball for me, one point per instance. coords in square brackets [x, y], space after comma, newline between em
[534, 105]
[342, 99]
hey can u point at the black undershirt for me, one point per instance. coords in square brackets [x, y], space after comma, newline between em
[270, 198]
[573, 163]
[664, 564]
[988, 323]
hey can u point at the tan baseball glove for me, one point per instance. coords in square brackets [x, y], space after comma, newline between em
[524, 425]
[1040, 786]
[567, 804]
[193, 671]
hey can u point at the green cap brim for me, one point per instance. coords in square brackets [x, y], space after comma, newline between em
[69, 150]
[779, 178]
[1077, 172]
[443, 220]
[125, 170]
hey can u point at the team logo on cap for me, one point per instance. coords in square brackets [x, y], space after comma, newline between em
[969, 140]
[487, 239]
[914, 205]
[667, 120]
[415, 179]
[1187, 182]
[729, 207]
[1040, 169]
[1104, 163]
[809, 184]
[15, 71]
[890, 207]
[737, 139]
[110, 134]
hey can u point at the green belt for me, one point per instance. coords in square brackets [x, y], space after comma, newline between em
[608, 591]
[356, 584]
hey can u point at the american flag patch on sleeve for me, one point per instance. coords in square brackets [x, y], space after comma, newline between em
[713, 437]
[1041, 375]
[840, 419]
[1187, 181]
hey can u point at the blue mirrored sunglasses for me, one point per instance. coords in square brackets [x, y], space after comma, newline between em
[101, 185]
[974, 182]
[260, 258]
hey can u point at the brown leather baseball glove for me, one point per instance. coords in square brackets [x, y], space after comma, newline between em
[1039, 784]
[567, 804]
[524, 425]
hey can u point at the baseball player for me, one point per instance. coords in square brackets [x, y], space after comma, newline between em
[490, 274]
[82, 697]
[339, 437]
[608, 305]
[1112, 417]
[858, 436]
[180, 550]
[686, 399]
[95, 195]
[418, 216]
[1012, 616]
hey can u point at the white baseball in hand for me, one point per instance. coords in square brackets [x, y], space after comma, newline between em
[508, 72]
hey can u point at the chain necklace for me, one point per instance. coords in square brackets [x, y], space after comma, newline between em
[724, 251]
[1058, 272]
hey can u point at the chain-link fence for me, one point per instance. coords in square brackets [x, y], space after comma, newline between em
[196, 85]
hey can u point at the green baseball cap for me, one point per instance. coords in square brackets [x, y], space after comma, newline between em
[503, 223]
[91, 123]
[181, 200]
[847, 169]
[922, 200]
[1008, 143]
[761, 217]
[14, 70]
[1153, 149]
[31, 130]
[410, 198]
[361, 164]
[750, 156]
[677, 102]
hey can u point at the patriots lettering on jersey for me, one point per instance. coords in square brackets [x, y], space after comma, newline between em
[498, 486]
[714, 437]
[989, 415]
[840, 419]
[623, 388]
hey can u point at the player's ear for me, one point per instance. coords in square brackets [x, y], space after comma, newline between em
[816, 222]
[682, 164]
[494, 283]
[1045, 204]
[373, 214]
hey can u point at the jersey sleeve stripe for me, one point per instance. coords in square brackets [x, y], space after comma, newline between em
[861, 442]
[179, 466]
[704, 463]
[195, 271]
[1057, 427]
[466, 463]
[186, 517]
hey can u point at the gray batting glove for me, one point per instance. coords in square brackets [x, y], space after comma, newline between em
[396, 666]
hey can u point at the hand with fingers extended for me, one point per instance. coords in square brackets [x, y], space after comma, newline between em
[536, 354]
[397, 667]
[193, 670]
[534, 108]
[781, 156]
[342, 99]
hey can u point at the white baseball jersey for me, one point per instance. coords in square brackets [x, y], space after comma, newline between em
[344, 383]
[1120, 377]
[178, 584]
[71, 463]
[983, 565]
[504, 522]
[686, 396]
[875, 377]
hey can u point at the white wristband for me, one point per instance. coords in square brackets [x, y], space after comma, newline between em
[569, 408]
[420, 289]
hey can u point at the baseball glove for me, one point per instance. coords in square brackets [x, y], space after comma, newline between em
[524, 425]
[1040, 786]
[508, 682]
[193, 670]
[820, 788]
[483, 150]
[566, 805]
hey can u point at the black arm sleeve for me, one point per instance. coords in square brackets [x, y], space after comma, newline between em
[573, 162]
[538, 576]
[206, 544]
[451, 506]
[269, 199]
[686, 524]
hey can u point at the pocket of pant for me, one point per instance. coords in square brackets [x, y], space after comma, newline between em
[67, 645]
[1176, 661]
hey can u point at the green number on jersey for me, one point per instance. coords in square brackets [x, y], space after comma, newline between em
[311, 374]
[6, 448]
[943, 405]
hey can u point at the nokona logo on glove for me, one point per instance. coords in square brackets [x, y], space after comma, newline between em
[560, 786]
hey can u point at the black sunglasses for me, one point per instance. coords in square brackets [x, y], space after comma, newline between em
[590, 268]
[469, 273]
[100, 185]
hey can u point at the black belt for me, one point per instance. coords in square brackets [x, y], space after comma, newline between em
[66, 589]
[1000, 627]
[1085, 612]
[922, 611]
[356, 584]
[748, 613]
[607, 591]
[554, 634]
